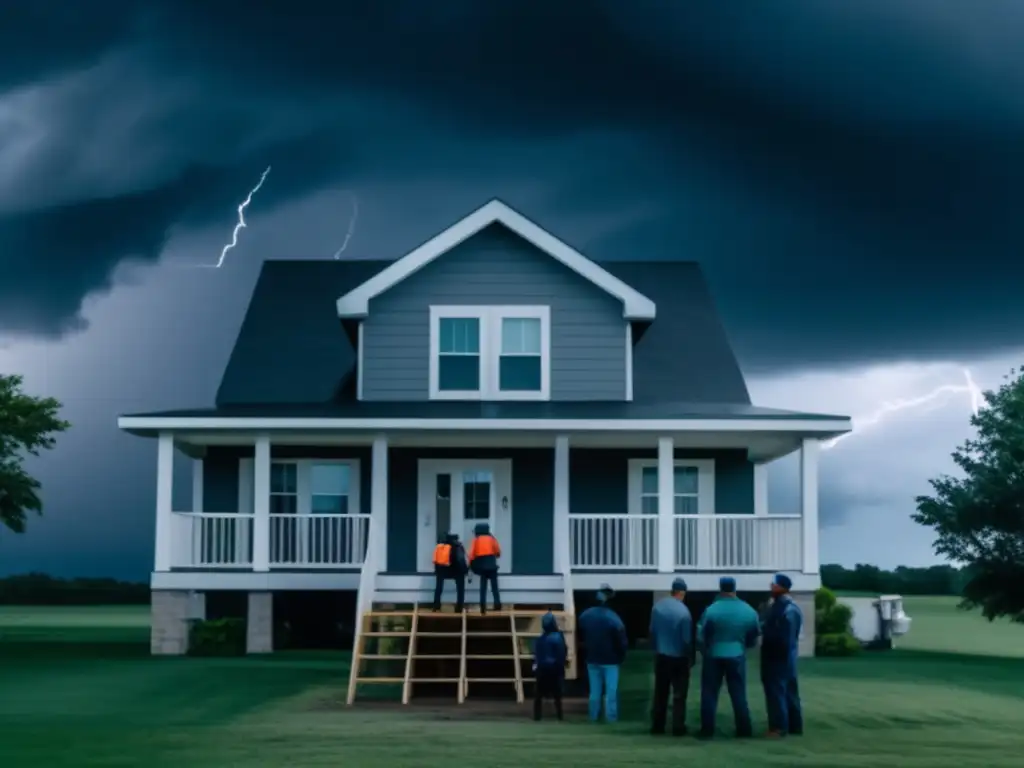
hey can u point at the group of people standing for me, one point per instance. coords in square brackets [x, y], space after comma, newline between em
[451, 562]
[726, 631]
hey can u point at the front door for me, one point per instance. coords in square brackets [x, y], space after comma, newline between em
[456, 496]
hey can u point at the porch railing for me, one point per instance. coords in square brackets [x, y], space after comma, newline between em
[225, 540]
[700, 542]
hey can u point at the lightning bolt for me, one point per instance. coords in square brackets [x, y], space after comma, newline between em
[969, 388]
[351, 225]
[240, 225]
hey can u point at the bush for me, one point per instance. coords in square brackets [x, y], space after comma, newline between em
[824, 599]
[833, 621]
[837, 644]
[219, 637]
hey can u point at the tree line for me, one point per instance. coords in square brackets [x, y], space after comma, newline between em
[934, 580]
[41, 589]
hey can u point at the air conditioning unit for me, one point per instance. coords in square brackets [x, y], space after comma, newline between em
[877, 620]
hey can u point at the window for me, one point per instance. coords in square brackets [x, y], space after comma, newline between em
[329, 489]
[476, 495]
[490, 353]
[284, 488]
[520, 364]
[693, 487]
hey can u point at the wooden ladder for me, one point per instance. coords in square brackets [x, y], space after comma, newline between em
[359, 656]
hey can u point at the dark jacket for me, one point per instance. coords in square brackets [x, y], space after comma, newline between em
[484, 563]
[549, 650]
[457, 563]
[781, 633]
[603, 635]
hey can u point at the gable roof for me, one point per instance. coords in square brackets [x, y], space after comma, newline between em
[290, 349]
[355, 303]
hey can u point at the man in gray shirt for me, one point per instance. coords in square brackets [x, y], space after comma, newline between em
[671, 639]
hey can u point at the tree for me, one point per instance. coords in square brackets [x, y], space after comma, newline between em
[28, 425]
[979, 518]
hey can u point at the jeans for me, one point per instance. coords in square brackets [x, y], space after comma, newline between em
[734, 672]
[782, 698]
[492, 577]
[604, 680]
[548, 685]
[671, 674]
[440, 576]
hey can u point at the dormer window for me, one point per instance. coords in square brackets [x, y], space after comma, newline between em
[490, 353]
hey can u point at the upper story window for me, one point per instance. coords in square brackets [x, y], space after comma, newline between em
[490, 353]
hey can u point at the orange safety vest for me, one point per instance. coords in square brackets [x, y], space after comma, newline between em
[443, 554]
[483, 546]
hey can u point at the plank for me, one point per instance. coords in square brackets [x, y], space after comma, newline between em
[519, 667]
[463, 685]
[407, 686]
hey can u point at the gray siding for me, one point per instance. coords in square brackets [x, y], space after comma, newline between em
[588, 356]
[532, 495]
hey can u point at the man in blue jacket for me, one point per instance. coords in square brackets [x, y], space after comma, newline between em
[549, 657]
[779, 648]
[727, 629]
[604, 637]
[671, 639]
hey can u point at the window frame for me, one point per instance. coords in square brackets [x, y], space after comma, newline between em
[705, 485]
[491, 319]
[304, 488]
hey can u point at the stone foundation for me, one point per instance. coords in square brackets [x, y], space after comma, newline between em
[169, 623]
[259, 629]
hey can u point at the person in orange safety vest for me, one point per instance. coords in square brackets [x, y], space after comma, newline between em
[450, 563]
[483, 561]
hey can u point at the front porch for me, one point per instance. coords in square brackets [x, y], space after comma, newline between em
[637, 505]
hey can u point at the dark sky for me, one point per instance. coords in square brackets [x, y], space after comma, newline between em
[848, 174]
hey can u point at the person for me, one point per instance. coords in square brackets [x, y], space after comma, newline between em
[604, 637]
[727, 629]
[779, 650]
[450, 563]
[549, 657]
[483, 561]
[671, 638]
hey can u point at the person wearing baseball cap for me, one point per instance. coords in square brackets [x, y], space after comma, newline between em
[671, 639]
[779, 650]
[605, 642]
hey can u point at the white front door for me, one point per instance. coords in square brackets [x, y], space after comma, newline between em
[455, 496]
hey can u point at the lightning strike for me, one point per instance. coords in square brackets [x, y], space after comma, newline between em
[969, 388]
[351, 226]
[241, 222]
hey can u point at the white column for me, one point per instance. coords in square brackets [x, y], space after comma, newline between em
[760, 489]
[162, 556]
[261, 504]
[666, 505]
[809, 451]
[197, 485]
[379, 500]
[562, 557]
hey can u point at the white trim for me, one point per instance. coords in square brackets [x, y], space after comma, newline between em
[705, 483]
[560, 538]
[666, 505]
[490, 318]
[261, 505]
[197, 485]
[164, 540]
[760, 489]
[356, 303]
[360, 358]
[379, 502]
[822, 427]
[696, 581]
[629, 362]
[809, 453]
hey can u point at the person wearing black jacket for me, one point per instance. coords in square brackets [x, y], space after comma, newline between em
[450, 563]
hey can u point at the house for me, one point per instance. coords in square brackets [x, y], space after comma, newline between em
[592, 413]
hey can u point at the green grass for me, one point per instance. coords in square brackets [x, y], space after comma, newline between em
[77, 688]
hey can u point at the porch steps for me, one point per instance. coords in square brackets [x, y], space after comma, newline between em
[431, 655]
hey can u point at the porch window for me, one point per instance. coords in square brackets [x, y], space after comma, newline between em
[329, 489]
[686, 484]
[458, 364]
[284, 488]
[490, 353]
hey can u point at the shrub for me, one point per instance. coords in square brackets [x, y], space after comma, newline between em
[833, 621]
[824, 599]
[219, 637]
[837, 644]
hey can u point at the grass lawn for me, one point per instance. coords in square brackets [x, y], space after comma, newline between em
[77, 688]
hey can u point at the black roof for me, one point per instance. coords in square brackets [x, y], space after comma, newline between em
[293, 350]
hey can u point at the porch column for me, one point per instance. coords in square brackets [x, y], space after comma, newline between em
[261, 504]
[809, 450]
[164, 489]
[760, 489]
[666, 505]
[379, 502]
[562, 555]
